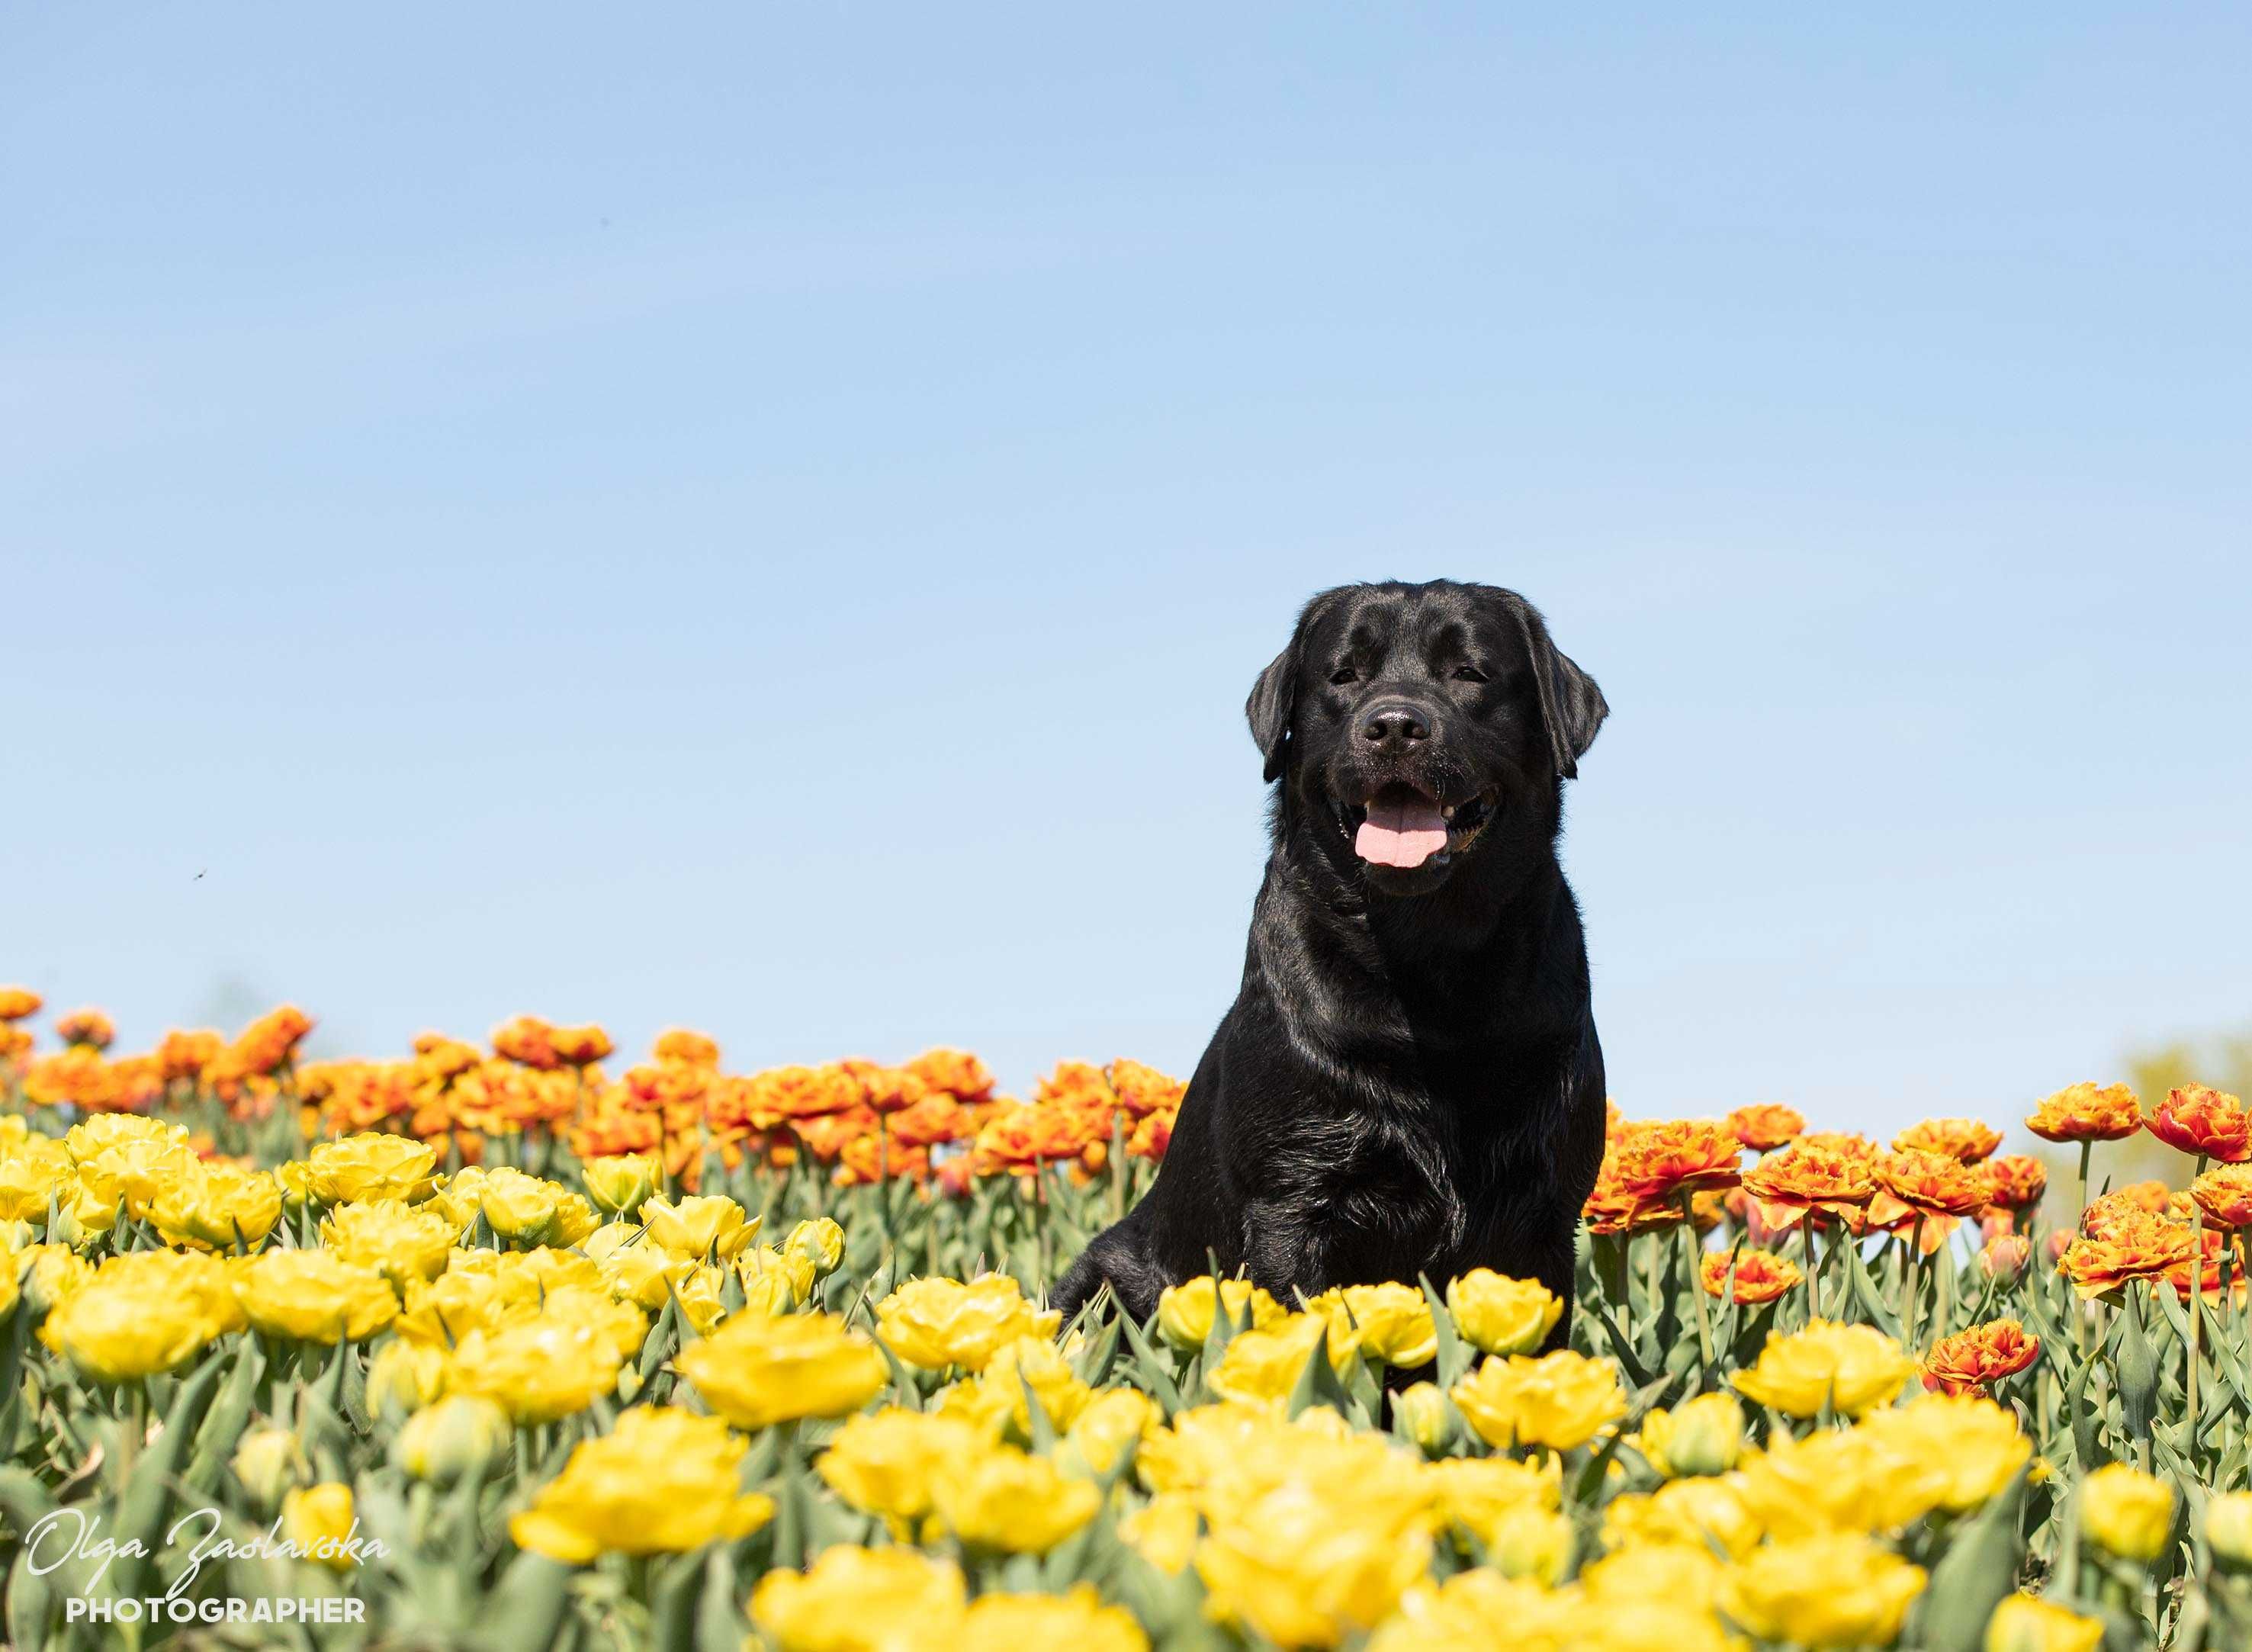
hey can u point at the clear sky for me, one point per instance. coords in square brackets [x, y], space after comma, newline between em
[765, 517]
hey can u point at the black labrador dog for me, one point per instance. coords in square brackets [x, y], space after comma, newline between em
[1409, 1081]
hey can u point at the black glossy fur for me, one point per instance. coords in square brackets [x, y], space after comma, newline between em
[1409, 1079]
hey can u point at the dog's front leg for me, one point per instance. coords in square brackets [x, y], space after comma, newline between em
[1284, 1249]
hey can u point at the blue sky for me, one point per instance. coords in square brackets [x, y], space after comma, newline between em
[765, 517]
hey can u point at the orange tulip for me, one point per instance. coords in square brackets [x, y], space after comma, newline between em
[678, 1043]
[1971, 1360]
[1760, 1276]
[85, 1030]
[2208, 1122]
[2224, 1193]
[1926, 1183]
[1767, 1125]
[957, 1072]
[2084, 1113]
[1966, 1141]
[2015, 1181]
[1659, 1163]
[1785, 1186]
[2135, 1245]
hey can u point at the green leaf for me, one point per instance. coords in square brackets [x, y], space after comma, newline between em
[148, 1490]
[1976, 1572]
[525, 1612]
[2136, 1366]
[1455, 1355]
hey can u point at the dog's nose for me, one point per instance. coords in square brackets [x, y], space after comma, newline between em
[1395, 722]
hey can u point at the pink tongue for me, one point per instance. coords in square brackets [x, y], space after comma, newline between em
[1400, 833]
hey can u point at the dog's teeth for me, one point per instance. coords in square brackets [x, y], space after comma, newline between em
[1446, 812]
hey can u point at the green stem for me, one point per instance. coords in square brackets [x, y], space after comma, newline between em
[1909, 1270]
[1696, 1278]
[2196, 1312]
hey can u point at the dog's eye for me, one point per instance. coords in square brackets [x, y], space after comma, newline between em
[1343, 675]
[1469, 675]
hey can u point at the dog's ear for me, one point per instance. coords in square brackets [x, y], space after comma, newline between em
[1268, 709]
[1275, 696]
[1572, 707]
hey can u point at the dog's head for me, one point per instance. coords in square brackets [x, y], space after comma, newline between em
[1418, 721]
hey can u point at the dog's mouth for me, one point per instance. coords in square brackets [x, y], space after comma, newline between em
[1404, 825]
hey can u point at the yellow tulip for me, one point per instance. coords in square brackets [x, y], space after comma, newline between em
[1474, 1494]
[1392, 1323]
[1498, 1315]
[218, 1208]
[371, 1166]
[538, 1371]
[885, 1462]
[311, 1296]
[938, 1322]
[1851, 1368]
[117, 1331]
[1526, 1542]
[1701, 1436]
[1305, 1570]
[755, 1371]
[664, 1482]
[1836, 1590]
[1973, 1444]
[30, 1172]
[1691, 1513]
[1185, 1311]
[269, 1462]
[1078, 1620]
[820, 1241]
[323, 1525]
[855, 1599]
[1163, 1531]
[1464, 1616]
[458, 1435]
[2126, 1512]
[2229, 1527]
[995, 1400]
[1423, 1412]
[1263, 1367]
[712, 1228]
[405, 1376]
[619, 1183]
[1681, 1574]
[2023, 1624]
[1106, 1431]
[404, 1242]
[1559, 1400]
[1007, 1501]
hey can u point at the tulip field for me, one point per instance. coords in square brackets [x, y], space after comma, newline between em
[522, 1345]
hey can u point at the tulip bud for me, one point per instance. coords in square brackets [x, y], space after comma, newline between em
[270, 1464]
[2005, 1257]
[1531, 1542]
[2126, 1512]
[1423, 1412]
[405, 1376]
[459, 1435]
[1705, 1435]
[2229, 1527]
[619, 1183]
[820, 1242]
[2022, 1623]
